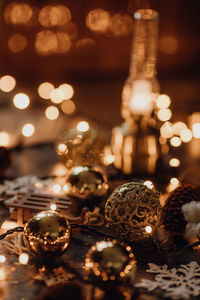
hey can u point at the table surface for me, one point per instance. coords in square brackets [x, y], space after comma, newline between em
[21, 285]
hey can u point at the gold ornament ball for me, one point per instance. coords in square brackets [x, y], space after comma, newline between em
[108, 261]
[47, 234]
[76, 147]
[133, 211]
[86, 182]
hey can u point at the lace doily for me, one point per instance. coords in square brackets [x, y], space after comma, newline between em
[180, 283]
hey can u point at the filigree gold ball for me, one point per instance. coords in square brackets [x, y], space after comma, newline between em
[86, 182]
[47, 234]
[76, 147]
[133, 211]
[108, 261]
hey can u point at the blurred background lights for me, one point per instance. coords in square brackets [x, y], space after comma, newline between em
[174, 181]
[98, 20]
[174, 162]
[178, 127]
[54, 15]
[7, 83]
[62, 148]
[53, 207]
[4, 139]
[186, 135]
[63, 43]
[45, 89]
[2, 259]
[28, 130]
[21, 101]
[83, 126]
[67, 90]
[23, 258]
[17, 43]
[149, 184]
[65, 188]
[46, 42]
[168, 45]
[148, 229]
[163, 101]
[164, 114]
[68, 107]
[18, 13]
[196, 130]
[175, 141]
[121, 25]
[166, 130]
[56, 188]
[57, 96]
[52, 112]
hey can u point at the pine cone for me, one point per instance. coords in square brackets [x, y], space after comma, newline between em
[173, 217]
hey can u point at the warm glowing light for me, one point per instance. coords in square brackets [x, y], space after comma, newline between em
[62, 148]
[98, 20]
[7, 83]
[175, 141]
[196, 130]
[52, 112]
[163, 101]
[2, 274]
[141, 97]
[63, 42]
[59, 170]
[18, 13]
[148, 229]
[54, 15]
[21, 101]
[2, 259]
[178, 127]
[164, 114]
[53, 207]
[149, 184]
[45, 89]
[83, 126]
[57, 96]
[67, 91]
[56, 188]
[174, 162]
[65, 188]
[4, 139]
[7, 225]
[166, 130]
[174, 181]
[186, 135]
[68, 107]
[168, 45]
[17, 43]
[23, 258]
[121, 25]
[28, 129]
[46, 42]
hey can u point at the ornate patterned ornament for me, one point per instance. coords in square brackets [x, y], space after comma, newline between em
[133, 210]
[180, 283]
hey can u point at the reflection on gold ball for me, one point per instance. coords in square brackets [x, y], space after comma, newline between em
[86, 182]
[133, 210]
[110, 261]
[47, 234]
[76, 147]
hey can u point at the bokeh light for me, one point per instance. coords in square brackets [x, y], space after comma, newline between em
[178, 127]
[83, 126]
[163, 101]
[63, 42]
[45, 89]
[4, 139]
[62, 148]
[54, 15]
[57, 188]
[23, 258]
[168, 45]
[51, 112]
[2, 259]
[57, 96]
[53, 207]
[166, 130]
[174, 162]
[17, 43]
[164, 114]
[175, 141]
[28, 129]
[120, 25]
[18, 13]
[148, 229]
[72, 30]
[174, 181]
[21, 101]
[7, 83]
[149, 184]
[68, 107]
[67, 90]
[46, 42]
[196, 130]
[98, 20]
[186, 135]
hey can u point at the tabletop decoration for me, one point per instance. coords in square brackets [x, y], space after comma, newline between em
[85, 182]
[176, 283]
[47, 234]
[109, 261]
[133, 211]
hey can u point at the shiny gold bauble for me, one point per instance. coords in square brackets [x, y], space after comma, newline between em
[133, 211]
[108, 261]
[76, 147]
[87, 182]
[47, 234]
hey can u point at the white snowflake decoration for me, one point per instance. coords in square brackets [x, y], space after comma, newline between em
[181, 283]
